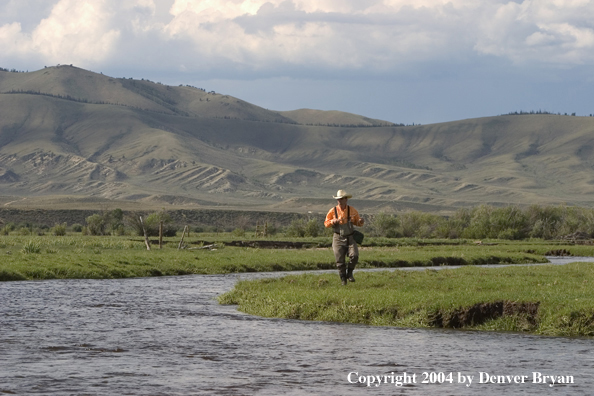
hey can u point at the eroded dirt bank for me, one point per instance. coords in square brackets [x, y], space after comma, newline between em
[480, 313]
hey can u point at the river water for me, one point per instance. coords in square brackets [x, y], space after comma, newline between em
[169, 336]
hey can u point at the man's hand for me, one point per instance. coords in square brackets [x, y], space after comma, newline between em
[335, 221]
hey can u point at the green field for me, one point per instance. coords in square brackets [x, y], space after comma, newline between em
[76, 256]
[546, 300]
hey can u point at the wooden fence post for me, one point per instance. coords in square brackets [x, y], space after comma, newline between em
[161, 234]
[182, 238]
[146, 240]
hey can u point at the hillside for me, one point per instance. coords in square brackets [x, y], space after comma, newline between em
[331, 118]
[68, 132]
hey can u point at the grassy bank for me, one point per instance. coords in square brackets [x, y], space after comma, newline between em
[75, 256]
[547, 300]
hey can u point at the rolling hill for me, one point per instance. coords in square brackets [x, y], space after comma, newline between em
[71, 135]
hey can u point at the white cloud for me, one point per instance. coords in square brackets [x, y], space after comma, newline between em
[277, 36]
[383, 35]
[326, 34]
[76, 30]
[549, 32]
[12, 40]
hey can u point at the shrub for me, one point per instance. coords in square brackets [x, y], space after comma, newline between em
[238, 232]
[480, 223]
[296, 228]
[419, 224]
[96, 224]
[312, 228]
[119, 230]
[151, 224]
[115, 221]
[510, 233]
[59, 229]
[509, 218]
[385, 225]
[106, 223]
[545, 221]
[455, 226]
[77, 227]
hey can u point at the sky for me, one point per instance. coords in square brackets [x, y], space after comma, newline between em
[404, 61]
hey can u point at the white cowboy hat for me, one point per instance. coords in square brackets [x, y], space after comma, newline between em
[342, 194]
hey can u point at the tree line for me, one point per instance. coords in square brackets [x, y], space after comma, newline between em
[485, 221]
[521, 112]
[482, 222]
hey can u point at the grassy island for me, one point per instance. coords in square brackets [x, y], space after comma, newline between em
[544, 299]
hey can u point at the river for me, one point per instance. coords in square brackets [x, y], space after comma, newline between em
[169, 336]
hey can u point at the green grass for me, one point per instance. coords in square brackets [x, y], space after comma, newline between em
[75, 256]
[547, 300]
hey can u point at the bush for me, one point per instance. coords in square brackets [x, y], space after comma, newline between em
[8, 227]
[151, 224]
[96, 225]
[385, 225]
[419, 224]
[238, 232]
[510, 234]
[545, 221]
[296, 228]
[107, 223]
[119, 230]
[59, 229]
[76, 228]
[312, 228]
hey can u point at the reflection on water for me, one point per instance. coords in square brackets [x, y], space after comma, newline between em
[168, 336]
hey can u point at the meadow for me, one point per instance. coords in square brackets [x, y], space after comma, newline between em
[77, 256]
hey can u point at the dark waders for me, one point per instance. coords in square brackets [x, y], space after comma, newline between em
[343, 243]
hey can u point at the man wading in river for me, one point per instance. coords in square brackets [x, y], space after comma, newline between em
[343, 218]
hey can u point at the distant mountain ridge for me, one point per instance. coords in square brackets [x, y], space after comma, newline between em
[66, 131]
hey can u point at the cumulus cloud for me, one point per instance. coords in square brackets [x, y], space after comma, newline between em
[554, 31]
[386, 35]
[74, 31]
[276, 36]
